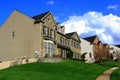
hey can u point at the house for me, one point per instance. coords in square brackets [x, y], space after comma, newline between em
[74, 43]
[62, 45]
[23, 36]
[97, 46]
[106, 51]
[115, 52]
[87, 49]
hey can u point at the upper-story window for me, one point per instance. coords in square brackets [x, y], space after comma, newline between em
[78, 45]
[61, 40]
[66, 42]
[45, 29]
[13, 34]
[74, 44]
[52, 33]
[111, 48]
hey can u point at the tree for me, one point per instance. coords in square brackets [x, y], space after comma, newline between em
[70, 54]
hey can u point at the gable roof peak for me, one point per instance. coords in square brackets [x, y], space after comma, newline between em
[70, 34]
[90, 38]
[41, 16]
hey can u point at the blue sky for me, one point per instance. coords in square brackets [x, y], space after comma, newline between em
[87, 17]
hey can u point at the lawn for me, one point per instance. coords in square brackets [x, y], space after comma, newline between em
[65, 70]
[116, 75]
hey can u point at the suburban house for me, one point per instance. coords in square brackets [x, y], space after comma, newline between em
[106, 51]
[23, 36]
[74, 43]
[87, 49]
[115, 51]
[97, 47]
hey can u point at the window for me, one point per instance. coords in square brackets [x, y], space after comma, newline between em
[72, 43]
[90, 55]
[66, 42]
[45, 48]
[48, 47]
[78, 45]
[52, 33]
[13, 34]
[45, 30]
[75, 44]
[61, 40]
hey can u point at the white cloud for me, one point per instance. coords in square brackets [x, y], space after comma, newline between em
[50, 2]
[114, 7]
[107, 27]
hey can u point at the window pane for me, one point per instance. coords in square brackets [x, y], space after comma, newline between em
[13, 34]
[44, 30]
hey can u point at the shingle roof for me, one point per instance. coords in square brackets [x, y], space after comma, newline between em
[70, 34]
[91, 38]
[117, 46]
[105, 44]
[40, 16]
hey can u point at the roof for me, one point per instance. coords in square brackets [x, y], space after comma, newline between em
[117, 46]
[105, 44]
[62, 34]
[70, 34]
[91, 38]
[40, 16]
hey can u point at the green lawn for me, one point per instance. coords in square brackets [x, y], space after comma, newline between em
[65, 70]
[116, 75]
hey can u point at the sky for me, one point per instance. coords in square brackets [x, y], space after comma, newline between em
[86, 17]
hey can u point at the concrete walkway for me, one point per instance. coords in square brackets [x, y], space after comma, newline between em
[106, 74]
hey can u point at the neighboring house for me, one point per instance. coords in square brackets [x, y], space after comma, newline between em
[74, 44]
[96, 46]
[87, 49]
[115, 51]
[62, 45]
[23, 36]
[106, 51]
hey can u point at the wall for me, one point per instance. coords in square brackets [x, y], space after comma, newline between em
[87, 47]
[25, 42]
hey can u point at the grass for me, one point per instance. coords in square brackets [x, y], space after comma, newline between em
[115, 75]
[65, 70]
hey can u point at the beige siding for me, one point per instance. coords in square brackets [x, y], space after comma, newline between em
[25, 42]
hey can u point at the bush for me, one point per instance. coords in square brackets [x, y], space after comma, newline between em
[47, 55]
[70, 54]
[83, 56]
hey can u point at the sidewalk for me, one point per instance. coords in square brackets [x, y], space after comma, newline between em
[106, 74]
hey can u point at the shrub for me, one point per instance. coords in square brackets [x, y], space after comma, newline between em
[83, 56]
[70, 54]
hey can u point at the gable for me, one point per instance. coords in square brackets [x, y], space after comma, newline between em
[75, 36]
[49, 21]
[96, 40]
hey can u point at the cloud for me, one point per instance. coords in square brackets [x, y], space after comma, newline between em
[50, 2]
[114, 7]
[107, 27]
